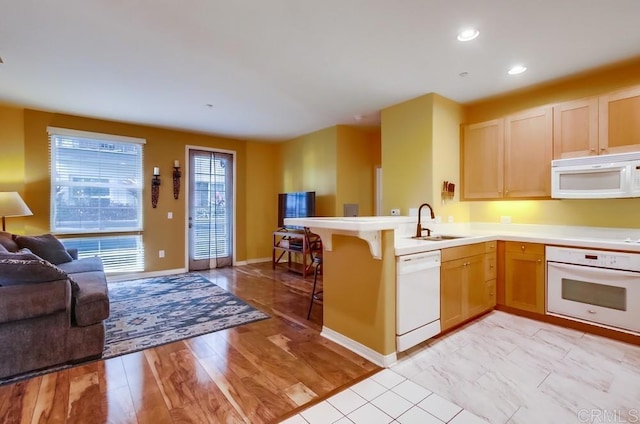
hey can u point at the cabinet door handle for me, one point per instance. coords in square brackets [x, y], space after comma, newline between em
[539, 261]
[522, 247]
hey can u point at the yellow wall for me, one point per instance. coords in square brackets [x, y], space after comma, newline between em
[447, 116]
[308, 163]
[358, 153]
[261, 198]
[406, 131]
[420, 150]
[605, 213]
[337, 163]
[12, 160]
[23, 133]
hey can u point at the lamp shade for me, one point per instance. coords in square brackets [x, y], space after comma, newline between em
[11, 204]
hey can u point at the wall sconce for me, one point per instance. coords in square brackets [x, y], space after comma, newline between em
[155, 186]
[176, 179]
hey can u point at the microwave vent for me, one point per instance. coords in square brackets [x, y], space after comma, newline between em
[595, 160]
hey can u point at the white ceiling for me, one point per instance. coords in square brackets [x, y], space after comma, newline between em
[276, 69]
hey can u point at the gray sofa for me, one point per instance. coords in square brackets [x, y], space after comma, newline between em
[52, 305]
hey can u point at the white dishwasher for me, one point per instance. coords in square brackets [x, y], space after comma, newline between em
[417, 298]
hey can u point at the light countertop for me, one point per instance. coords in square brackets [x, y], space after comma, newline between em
[356, 223]
[610, 238]
[626, 239]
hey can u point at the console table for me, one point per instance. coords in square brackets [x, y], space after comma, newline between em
[288, 242]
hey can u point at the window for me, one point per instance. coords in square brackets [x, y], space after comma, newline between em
[96, 187]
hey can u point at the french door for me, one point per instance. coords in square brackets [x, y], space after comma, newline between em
[210, 209]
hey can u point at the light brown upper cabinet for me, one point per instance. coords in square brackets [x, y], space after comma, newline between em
[575, 128]
[528, 142]
[597, 125]
[482, 160]
[619, 121]
[508, 157]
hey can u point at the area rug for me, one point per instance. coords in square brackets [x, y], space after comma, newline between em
[153, 311]
[149, 312]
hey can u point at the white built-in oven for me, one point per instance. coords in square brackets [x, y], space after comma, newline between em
[597, 286]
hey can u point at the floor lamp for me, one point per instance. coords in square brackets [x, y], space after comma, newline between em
[11, 204]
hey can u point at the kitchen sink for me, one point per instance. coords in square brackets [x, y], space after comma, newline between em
[437, 238]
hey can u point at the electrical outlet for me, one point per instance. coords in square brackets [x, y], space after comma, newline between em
[169, 215]
[395, 211]
[161, 253]
[505, 220]
[450, 219]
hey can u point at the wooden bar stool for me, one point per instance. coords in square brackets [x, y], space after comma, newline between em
[315, 250]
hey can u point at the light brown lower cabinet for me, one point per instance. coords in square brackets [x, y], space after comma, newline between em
[524, 276]
[467, 282]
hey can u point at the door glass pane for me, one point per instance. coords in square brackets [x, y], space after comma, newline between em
[211, 209]
[595, 294]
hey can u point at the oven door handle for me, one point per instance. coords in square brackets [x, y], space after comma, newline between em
[588, 272]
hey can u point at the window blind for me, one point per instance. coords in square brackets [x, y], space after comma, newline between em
[118, 253]
[96, 187]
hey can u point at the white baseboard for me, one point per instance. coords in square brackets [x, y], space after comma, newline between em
[136, 275]
[362, 350]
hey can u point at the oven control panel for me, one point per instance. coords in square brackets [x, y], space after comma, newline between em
[597, 258]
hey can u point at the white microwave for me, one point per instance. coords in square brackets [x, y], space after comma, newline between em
[596, 177]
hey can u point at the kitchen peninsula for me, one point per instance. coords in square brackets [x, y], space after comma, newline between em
[359, 278]
[360, 274]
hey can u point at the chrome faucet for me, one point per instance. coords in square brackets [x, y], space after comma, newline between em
[419, 228]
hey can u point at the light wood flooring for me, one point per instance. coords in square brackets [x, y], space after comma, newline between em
[257, 373]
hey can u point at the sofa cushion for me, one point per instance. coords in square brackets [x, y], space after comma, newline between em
[25, 267]
[91, 302]
[6, 240]
[23, 302]
[47, 246]
[82, 265]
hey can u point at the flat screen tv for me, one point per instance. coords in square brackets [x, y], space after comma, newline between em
[300, 204]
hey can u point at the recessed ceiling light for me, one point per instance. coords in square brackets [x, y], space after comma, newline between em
[468, 34]
[358, 117]
[517, 69]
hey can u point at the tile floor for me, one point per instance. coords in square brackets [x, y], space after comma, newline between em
[386, 397]
[500, 369]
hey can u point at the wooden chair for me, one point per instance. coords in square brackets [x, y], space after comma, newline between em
[315, 250]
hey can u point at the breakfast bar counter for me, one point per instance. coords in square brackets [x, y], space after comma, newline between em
[359, 282]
